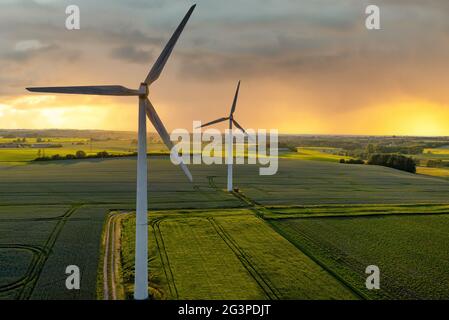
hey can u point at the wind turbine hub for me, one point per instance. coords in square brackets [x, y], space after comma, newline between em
[143, 90]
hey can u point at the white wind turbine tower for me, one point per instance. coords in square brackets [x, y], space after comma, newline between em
[145, 107]
[230, 135]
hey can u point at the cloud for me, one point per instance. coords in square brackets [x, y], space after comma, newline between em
[28, 49]
[132, 54]
[305, 58]
[29, 45]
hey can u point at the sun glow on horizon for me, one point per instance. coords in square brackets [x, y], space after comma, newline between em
[399, 117]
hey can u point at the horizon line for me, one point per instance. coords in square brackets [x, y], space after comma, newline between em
[281, 134]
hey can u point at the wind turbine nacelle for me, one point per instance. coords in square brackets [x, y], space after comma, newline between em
[143, 90]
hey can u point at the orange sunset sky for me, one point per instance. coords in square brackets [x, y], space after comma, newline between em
[307, 66]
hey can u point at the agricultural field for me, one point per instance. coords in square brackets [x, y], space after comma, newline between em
[225, 254]
[53, 214]
[436, 172]
[316, 154]
[438, 154]
[442, 151]
[23, 155]
[321, 182]
[410, 250]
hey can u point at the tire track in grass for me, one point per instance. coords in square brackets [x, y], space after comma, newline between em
[110, 273]
[40, 256]
[38, 265]
[36, 251]
[263, 283]
[164, 257]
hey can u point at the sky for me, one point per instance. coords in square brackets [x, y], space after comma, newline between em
[306, 66]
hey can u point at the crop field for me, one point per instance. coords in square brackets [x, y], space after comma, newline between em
[53, 214]
[316, 154]
[320, 182]
[444, 151]
[45, 140]
[226, 254]
[438, 154]
[26, 234]
[70, 146]
[411, 251]
[28, 154]
[436, 172]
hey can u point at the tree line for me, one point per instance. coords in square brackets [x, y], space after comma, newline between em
[80, 154]
[395, 161]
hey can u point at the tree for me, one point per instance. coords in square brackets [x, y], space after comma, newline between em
[370, 149]
[395, 161]
[102, 154]
[80, 154]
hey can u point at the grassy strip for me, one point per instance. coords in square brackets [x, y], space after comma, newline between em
[288, 212]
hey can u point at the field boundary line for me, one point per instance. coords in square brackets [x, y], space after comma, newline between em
[386, 293]
[260, 211]
[112, 281]
[323, 265]
[263, 283]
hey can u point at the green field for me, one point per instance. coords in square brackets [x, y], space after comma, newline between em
[53, 213]
[226, 254]
[411, 251]
[437, 151]
[321, 182]
[71, 146]
[436, 172]
[316, 154]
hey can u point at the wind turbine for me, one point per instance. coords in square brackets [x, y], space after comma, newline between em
[145, 107]
[230, 135]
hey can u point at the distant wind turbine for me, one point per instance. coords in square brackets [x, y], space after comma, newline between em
[230, 135]
[145, 107]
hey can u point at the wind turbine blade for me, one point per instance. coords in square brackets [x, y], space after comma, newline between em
[250, 138]
[234, 103]
[239, 126]
[212, 122]
[158, 66]
[94, 90]
[160, 128]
